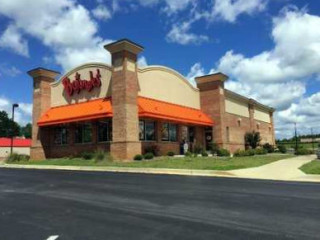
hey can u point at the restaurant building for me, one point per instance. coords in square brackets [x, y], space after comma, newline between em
[126, 109]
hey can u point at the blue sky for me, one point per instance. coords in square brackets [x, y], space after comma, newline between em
[269, 48]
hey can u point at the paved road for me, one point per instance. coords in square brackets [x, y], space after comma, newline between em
[37, 204]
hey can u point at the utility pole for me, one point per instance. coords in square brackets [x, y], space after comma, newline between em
[295, 135]
[15, 105]
[312, 139]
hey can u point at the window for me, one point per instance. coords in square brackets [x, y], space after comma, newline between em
[61, 135]
[239, 123]
[104, 131]
[83, 133]
[227, 134]
[169, 132]
[147, 130]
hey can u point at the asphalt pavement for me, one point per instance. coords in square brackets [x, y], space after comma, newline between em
[53, 204]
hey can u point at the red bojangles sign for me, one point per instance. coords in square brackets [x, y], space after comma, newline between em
[79, 84]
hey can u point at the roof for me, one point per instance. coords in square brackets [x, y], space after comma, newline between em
[93, 109]
[17, 142]
[169, 111]
[101, 108]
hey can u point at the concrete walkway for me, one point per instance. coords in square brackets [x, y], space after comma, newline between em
[287, 169]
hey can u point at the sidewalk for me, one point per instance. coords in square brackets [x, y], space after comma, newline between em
[282, 170]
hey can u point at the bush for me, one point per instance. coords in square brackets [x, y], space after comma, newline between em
[261, 151]
[244, 153]
[100, 155]
[170, 154]
[282, 148]
[188, 154]
[154, 149]
[204, 154]
[198, 149]
[268, 147]
[148, 155]
[214, 148]
[223, 152]
[252, 139]
[15, 157]
[138, 157]
[87, 155]
[303, 151]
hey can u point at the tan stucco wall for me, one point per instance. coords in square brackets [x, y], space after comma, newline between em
[5, 151]
[261, 115]
[59, 97]
[165, 84]
[235, 107]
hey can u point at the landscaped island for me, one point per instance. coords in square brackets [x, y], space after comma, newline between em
[200, 163]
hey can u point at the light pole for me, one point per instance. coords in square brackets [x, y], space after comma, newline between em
[15, 105]
[295, 135]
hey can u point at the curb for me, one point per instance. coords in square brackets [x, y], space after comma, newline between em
[161, 171]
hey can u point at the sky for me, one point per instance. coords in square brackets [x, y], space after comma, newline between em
[270, 49]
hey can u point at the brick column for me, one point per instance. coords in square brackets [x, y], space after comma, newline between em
[212, 102]
[124, 89]
[42, 78]
[272, 128]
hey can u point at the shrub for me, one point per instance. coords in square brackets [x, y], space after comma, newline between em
[138, 157]
[223, 152]
[282, 148]
[244, 153]
[15, 157]
[100, 155]
[303, 151]
[148, 155]
[188, 154]
[170, 154]
[261, 151]
[268, 147]
[154, 149]
[204, 154]
[87, 155]
[197, 149]
[214, 148]
[252, 139]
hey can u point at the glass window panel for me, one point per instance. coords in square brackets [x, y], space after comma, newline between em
[78, 133]
[165, 132]
[150, 131]
[173, 133]
[141, 130]
[103, 131]
[87, 132]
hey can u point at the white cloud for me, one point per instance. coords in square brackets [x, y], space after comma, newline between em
[173, 6]
[62, 25]
[180, 34]
[195, 71]
[102, 12]
[22, 113]
[11, 38]
[10, 71]
[278, 77]
[142, 61]
[229, 10]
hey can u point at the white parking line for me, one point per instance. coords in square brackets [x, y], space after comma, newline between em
[53, 237]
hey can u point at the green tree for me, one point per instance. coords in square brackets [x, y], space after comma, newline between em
[6, 125]
[252, 139]
[26, 130]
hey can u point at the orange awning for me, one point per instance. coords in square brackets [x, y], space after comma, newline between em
[168, 111]
[93, 109]
[102, 108]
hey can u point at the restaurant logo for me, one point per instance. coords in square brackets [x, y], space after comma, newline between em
[79, 84]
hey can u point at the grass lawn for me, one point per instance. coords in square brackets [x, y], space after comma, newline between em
[311, 167]
[204, 163]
